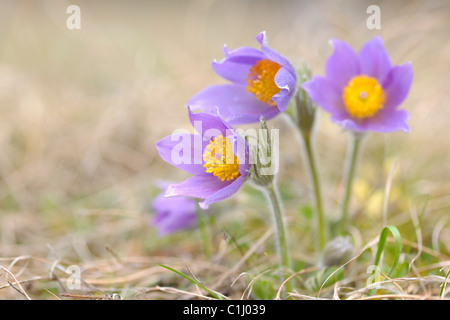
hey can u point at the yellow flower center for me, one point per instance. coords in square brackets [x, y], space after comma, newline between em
[220, 160]
[261, 81]
[363, 97]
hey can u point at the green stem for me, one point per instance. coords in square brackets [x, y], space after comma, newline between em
[317, 191]
[281, 231]
[304, 117]
[202, 224]
[351, 168]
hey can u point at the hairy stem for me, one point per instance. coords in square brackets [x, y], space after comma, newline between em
[202, 223]
[280, 228]
[321, 228]
[352, 160]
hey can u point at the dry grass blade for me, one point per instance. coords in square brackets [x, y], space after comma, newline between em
[278, 296]
[16, 282]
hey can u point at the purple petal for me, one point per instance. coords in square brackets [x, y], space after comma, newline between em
[208, 125]
[197, 186]
[384, 121]
[374, 60]
[233, 102]
[173, 214]
[326, 94]
[236, 65]
[223, 193]
[397, 84]
[287, 84]
[212, 125]
[184, 151]
[388, 121]
[273, 55]
[343, 64]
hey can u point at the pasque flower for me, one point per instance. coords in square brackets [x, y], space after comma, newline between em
[262, 84]
[217, 157]
[174, 213]
[362, 90]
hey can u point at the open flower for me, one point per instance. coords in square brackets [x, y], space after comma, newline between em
[217, 157]
[262, 83]
[362, 91]
[174, 213]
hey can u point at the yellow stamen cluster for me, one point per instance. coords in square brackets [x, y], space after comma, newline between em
[363, 97]
[261, 81]
[220, 160]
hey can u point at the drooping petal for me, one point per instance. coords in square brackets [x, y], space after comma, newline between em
[397, 84]
[287, 84]
[197, 186]
[223, 193]
[374, 60]
[236, 65]
[233, 103]
[343, 64]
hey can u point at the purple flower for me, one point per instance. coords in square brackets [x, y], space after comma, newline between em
[262, 83]
[174, 214]
[217, 157]
[362, 90]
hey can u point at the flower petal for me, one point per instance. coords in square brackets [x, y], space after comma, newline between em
[212, 125]
[184, 151]
[388, 121]
[203, 122]
[197, 187]
[287, 84]
[397, 84]
[233, 102]
[343, 64]
[374, 60]
[236, 65]
[273, 55]
[385, 121]
[223, 193]
[326, 94]
[173, 214]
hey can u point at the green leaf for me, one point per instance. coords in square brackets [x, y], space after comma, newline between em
[193, 281]
[397, 245]
[441, 292]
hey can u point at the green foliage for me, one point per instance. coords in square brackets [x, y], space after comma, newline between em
[194, 281]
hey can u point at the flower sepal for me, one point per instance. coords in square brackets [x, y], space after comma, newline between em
[261, 157]
[337, 252]
[302, 108]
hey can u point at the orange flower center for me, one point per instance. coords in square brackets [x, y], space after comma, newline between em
[261, 81]
[363, 97]
[220, 160]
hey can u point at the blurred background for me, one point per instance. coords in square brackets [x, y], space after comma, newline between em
[81, 111]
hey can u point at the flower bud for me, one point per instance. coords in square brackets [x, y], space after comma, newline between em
[262, 158]
[337, 252]
[304, 109]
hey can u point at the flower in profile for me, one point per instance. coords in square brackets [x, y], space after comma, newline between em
[174, 214]
[262, 84]
[217, 157]
[362, 90]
